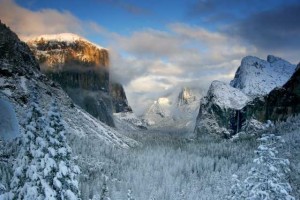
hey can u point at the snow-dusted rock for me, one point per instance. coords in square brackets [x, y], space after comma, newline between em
[257, 77]
[226, 96]
[19, 73]
[227, 108]
[82, 69]
[177, 110]
[219, 110]
[158, 114]
[128, 121]
[279, 104]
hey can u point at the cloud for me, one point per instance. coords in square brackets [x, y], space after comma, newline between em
[151, 63]
[219, 11]
[277, 29]
[27, 23]
[128, 7]
[149, 43]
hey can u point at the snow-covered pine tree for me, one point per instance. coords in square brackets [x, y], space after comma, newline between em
[2, 189]
[129, 195]
[26, 182]
[104, 192]
[59, 170]
[267, 179]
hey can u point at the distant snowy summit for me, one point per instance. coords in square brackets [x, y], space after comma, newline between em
[257, 77]
[178, 109]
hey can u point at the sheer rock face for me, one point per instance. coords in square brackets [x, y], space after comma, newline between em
[279, 104]
[120, 103]
[68, 52]
[219, 110]
[12, 50]
[81, 68]
[178, 110]
[21, 81]
[186, 96]
[261, 90]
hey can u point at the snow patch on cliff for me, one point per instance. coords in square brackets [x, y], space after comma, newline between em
[226, 96]
[62, 37]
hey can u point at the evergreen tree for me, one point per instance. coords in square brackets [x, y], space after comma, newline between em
[44, 168]
[59, 170]
[129, 195]
[267, 179]
[26, 182]
[104, 192]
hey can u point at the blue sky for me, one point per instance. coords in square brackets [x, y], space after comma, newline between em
[159, 46]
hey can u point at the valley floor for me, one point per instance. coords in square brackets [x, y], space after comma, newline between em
[169, 165]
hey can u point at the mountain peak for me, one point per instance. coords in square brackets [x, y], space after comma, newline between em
[257, 77]
[226, 96]
[163, 101]
[186, 96]
[272, 59]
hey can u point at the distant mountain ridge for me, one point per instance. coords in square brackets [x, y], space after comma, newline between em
[178, 110]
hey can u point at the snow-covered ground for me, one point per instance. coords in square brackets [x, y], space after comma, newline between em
[170, 165]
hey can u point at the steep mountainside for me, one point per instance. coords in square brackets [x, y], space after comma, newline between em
[21, 81]
[250, 99]
[119, 99]
[82, 69]
[158, 114]
[178, 110]
[279, 104]
[219, 109]
[257, 77]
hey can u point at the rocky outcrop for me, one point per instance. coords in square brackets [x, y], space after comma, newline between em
[219, 110]
[19, 54]
[261, 91]
[158, 114]
[279, 104]
[68, 51]
[186, 96]
[21, 81]
[119, 100]
[178, 110]
[81, 68]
